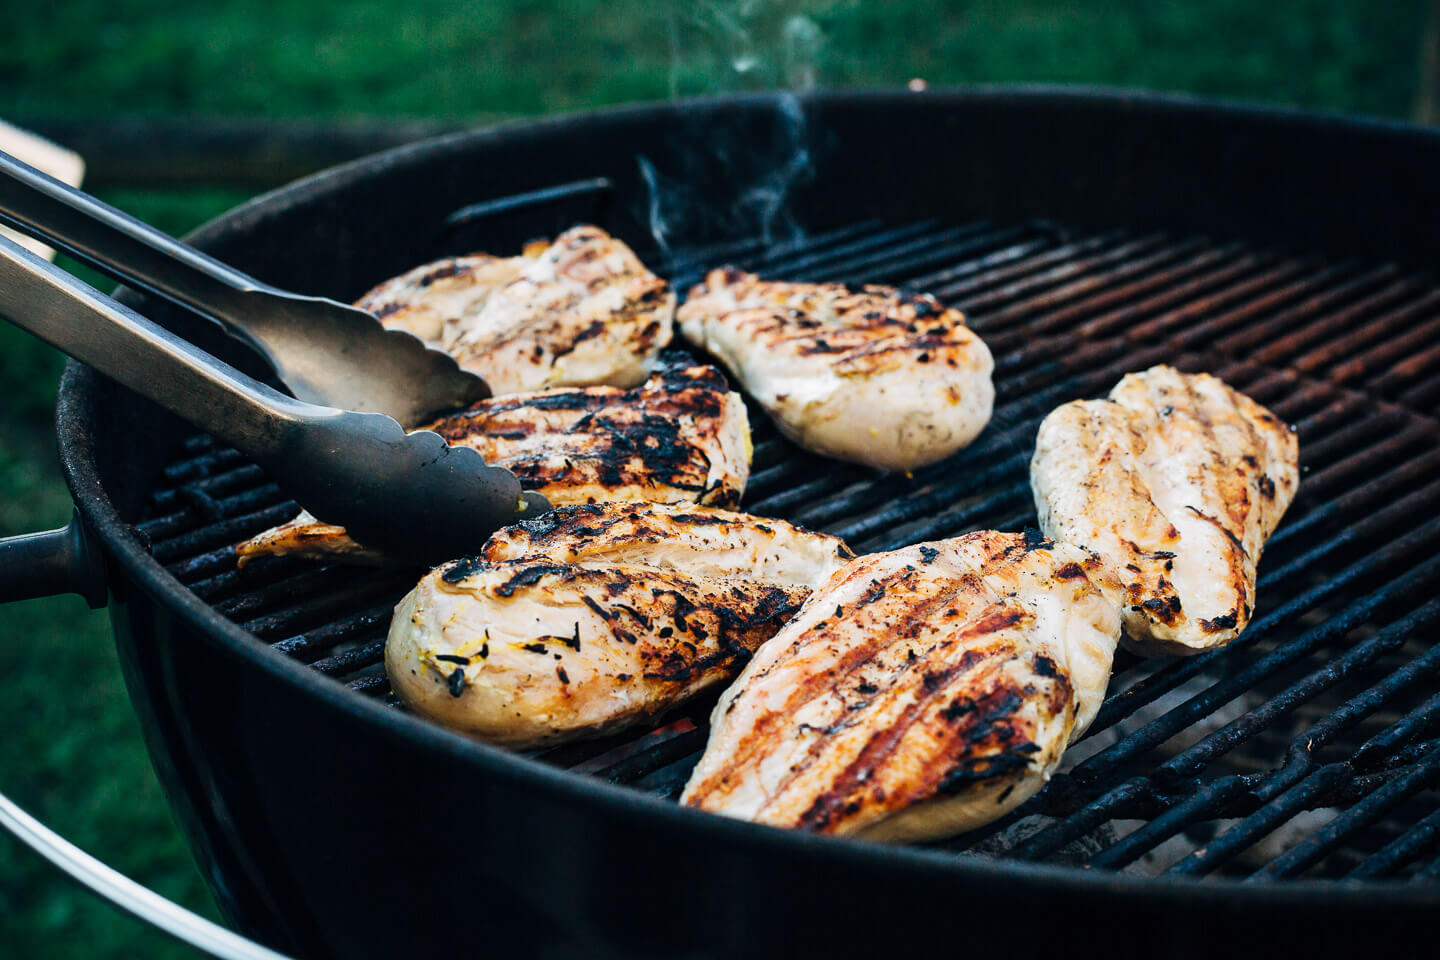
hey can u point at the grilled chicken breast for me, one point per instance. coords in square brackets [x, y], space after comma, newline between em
[596, 617]
[875, 376]
[918, 693]
[1175, 481]
[580, 311]
[681, 437]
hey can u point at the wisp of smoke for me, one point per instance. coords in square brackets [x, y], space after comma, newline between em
[720, 47]
[767, 198]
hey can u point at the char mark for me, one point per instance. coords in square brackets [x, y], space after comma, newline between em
[1035, 540]
[973, 770]
[677, 666]
[1164, 609]
[1225, 621]
[1070, 571]
[974, 725]
[447, 268]
[458, 570]
[594, 329]
[456, 682]
[1221, 527]
[531, 574]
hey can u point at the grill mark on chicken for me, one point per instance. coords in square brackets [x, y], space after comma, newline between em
[654, 436]
[554, 337]
[841, 725]
[1233, 494]
[640, 605]
[682, 436]
[919, 611]
[900, 678]
[986, 724]
[1234, 540]
[727, 628]
[580, 311]
[1167, 451]
[1224, 622]
[526, 577]
[872, 375]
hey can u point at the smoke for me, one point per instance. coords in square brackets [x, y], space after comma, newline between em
[735, 180]
[718, 47]
[765, 200]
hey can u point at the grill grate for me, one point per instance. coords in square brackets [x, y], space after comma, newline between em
[1308, 747]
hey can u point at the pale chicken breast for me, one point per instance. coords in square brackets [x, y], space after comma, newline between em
[682, 437]
[918, 693]
[875, 376]
[594, 618]
[580, 311]
[425, 299]
[1176, 481]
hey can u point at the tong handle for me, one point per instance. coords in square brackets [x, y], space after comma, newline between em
[325, 352]
[67, 313]
[129, 250]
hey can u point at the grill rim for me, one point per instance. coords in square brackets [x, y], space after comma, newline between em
[81, 390]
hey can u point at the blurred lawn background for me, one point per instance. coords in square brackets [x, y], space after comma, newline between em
[72, 753]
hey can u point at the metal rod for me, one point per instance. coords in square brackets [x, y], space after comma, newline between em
[122, 892]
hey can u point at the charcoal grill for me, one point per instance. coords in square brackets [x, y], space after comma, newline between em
[1286, 788]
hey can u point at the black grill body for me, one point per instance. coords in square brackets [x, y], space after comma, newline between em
[1087, 234]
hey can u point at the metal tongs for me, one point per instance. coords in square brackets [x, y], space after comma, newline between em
[340, 449]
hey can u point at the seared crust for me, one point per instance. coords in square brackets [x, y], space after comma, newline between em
[594, 618]
[701, 541]
[681, 437]
[580, 311]
[877, 376]
[917, 694]
[1176, 481]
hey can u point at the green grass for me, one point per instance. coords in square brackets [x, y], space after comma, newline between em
[72, 752]
[437, 57]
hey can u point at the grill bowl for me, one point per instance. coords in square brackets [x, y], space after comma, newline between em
[330, 824]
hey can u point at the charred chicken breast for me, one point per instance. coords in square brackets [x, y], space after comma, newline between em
[875, 376]
[1175, 481]
[917, 694]
[596, 617]
[580, 311]
[681, 437]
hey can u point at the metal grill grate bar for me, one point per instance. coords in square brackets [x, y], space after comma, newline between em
[1415, 842]
[1118, 801]
[1332, 661]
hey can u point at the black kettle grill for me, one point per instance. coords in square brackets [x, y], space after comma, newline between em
[1280, 792]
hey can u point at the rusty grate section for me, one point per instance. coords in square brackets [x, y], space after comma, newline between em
[1311, 747]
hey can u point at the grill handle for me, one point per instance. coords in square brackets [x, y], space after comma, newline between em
[127, 895]
[50, 563]
[117, 342]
